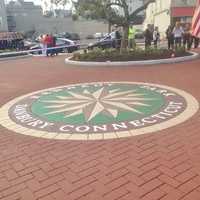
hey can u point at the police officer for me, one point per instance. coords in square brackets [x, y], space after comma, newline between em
[131, 37]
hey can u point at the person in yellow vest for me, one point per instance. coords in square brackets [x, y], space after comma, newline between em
[131, 37]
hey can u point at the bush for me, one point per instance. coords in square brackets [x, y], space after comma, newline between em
[100, 55]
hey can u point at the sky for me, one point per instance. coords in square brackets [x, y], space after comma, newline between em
[37, 2]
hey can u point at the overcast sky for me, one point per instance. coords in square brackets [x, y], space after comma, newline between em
[38, 2]
[35, 1]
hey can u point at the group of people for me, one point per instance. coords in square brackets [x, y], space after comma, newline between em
[151, 35]
[115, 36]
[177, 36]
[48, 44]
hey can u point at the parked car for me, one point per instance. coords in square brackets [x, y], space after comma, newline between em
[104, 43]
[65, 46]
[75, 36]
[139, 34]
[98, 35]
[70, 36]
[90, 37]
[29, 43]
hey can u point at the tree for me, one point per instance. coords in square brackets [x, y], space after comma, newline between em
[98, 9]
[109, 10]
[59, 2]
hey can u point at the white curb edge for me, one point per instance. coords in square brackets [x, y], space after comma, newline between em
[131, 63]
[15, 57]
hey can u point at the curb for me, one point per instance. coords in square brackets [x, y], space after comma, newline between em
[15, 57]
[60, 54]
[131, 63]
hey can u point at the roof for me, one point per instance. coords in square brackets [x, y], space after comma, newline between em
[10, 35]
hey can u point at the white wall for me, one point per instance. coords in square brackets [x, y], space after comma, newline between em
[150, 11]
[162, 21]
[59, 25]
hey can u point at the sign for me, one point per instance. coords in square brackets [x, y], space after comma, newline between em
[102, 110]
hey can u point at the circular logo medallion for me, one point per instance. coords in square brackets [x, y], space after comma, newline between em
[92, 111]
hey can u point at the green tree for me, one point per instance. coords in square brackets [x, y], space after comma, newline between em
[109, 10]
[60, 2]
[57, 2]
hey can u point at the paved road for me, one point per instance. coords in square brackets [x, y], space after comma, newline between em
[164, 165]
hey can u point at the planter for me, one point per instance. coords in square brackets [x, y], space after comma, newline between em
[132, 63]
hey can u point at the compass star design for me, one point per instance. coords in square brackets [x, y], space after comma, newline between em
[105, 101]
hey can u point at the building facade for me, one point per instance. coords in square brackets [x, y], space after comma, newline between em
[23, 15]
[26, 17]
[163, 13]
[182, 10]
[3, 17]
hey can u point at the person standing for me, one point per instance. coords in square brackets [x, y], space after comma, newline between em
[48, 42]
[54, 51]
[118, 38]
[131, 37]
[41, 43]
[156, 37]
[51, 44]
[178, 34]
[195, 42]
[115, 37]
[170, 37]
[187, 37]
[44, 44]
[148, 36]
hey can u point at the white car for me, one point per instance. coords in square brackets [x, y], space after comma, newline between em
[62, 44]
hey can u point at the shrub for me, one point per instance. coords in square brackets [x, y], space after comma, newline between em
[100, 55]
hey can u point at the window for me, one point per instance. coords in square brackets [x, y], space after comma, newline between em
[60, 42]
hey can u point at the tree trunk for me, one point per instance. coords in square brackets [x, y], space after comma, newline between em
[109, 27]
[124, 42]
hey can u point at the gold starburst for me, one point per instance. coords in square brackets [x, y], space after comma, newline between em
[101, 101]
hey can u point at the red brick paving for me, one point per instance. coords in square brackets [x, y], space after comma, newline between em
[158, 166]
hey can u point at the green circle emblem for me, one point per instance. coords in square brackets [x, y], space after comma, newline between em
[98, 110]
